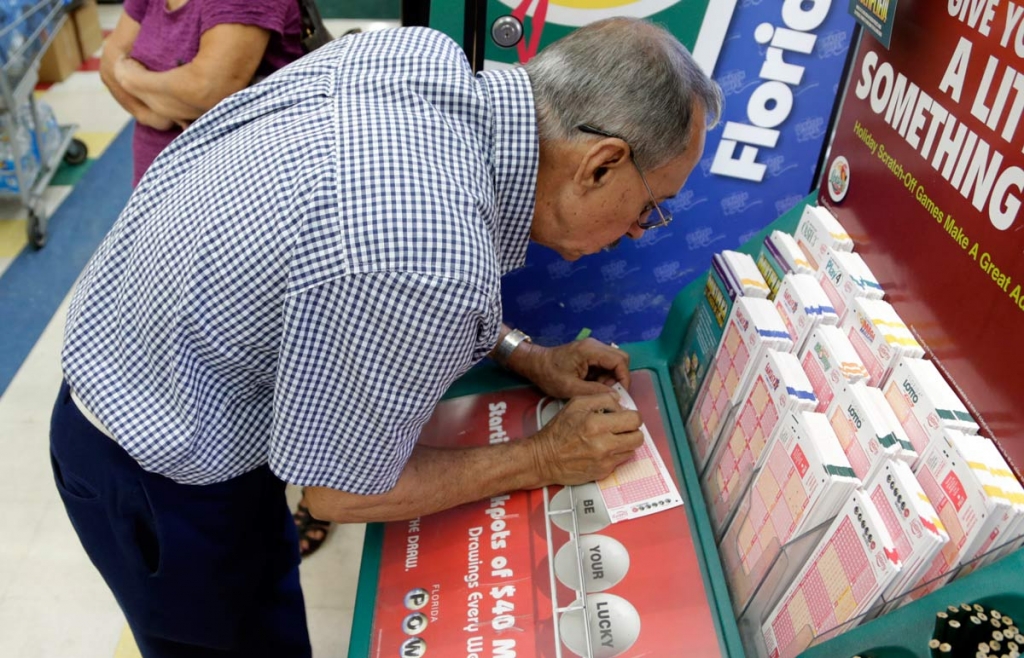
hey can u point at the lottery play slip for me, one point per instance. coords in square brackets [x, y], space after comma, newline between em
[911, 520]
[642, 485]
[845, 277]
[779, 386]
[781, 255]
[803, 306]
[803, 481]
[829, 359]
[817, 232]
[731, 275]
[924, 403]
[754, 326]
[867, 434]
[972, 509]
[855, 561]
[879, 336]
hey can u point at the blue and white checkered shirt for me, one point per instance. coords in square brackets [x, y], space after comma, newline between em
[302, 274]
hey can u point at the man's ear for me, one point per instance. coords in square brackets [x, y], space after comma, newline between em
[602, 159]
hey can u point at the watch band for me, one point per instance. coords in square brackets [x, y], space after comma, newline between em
[508, 345]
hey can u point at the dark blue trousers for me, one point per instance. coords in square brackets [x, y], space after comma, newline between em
[198, 570]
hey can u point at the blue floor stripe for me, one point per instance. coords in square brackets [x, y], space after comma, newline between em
[36, 282]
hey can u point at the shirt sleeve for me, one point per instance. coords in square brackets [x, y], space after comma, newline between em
[363, 362]
[269, 14]
[136, 9]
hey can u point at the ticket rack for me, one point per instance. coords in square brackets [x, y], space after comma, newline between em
[24, 38]
[902, 633]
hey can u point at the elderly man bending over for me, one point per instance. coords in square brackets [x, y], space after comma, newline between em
[301, 275]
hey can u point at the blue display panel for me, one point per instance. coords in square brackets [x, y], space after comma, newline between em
[780, 66]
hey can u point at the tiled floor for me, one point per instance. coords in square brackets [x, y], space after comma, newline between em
[52, 601]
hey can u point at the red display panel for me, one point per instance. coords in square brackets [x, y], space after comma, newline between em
[925, 172]
[479, 574]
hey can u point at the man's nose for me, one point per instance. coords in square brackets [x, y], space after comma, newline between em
[635, 231]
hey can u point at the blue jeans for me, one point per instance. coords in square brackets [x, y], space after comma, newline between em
[199, 571]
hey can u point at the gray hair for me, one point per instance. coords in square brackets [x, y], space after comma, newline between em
[627, 77]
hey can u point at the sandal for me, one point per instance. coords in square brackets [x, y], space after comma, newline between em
[312, 531]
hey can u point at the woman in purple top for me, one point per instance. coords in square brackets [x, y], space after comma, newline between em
[169, 61]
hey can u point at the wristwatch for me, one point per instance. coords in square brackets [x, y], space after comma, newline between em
[508, 345]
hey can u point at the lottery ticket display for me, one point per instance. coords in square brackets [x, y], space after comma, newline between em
[844, 276]
[732, 275]
[911, 520]
[779, 386]
[642, 485]
[754, 327]
[961, 491]
[879, 336]
[803, 306]
[844, 576]
[866, 435]
[817, 232]
[924, 403]
[781, 255]
[828, 360]
[802, 482]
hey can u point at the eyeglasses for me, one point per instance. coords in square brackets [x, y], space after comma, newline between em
[648, 213]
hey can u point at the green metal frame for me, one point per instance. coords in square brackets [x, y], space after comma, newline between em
[449, 17]
[903, 633]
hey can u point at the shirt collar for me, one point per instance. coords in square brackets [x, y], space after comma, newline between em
[516, 156]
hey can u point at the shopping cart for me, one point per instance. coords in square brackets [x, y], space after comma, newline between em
[31, 145]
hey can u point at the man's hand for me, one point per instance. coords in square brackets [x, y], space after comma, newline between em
[582, 367]
[584, 442]
[587, 440]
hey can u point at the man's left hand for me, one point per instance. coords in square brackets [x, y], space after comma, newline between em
[582, 367]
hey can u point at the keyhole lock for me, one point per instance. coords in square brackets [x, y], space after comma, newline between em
[507, 31]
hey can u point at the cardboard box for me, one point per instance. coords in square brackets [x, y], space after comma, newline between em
[63, 57]
[87, 28]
